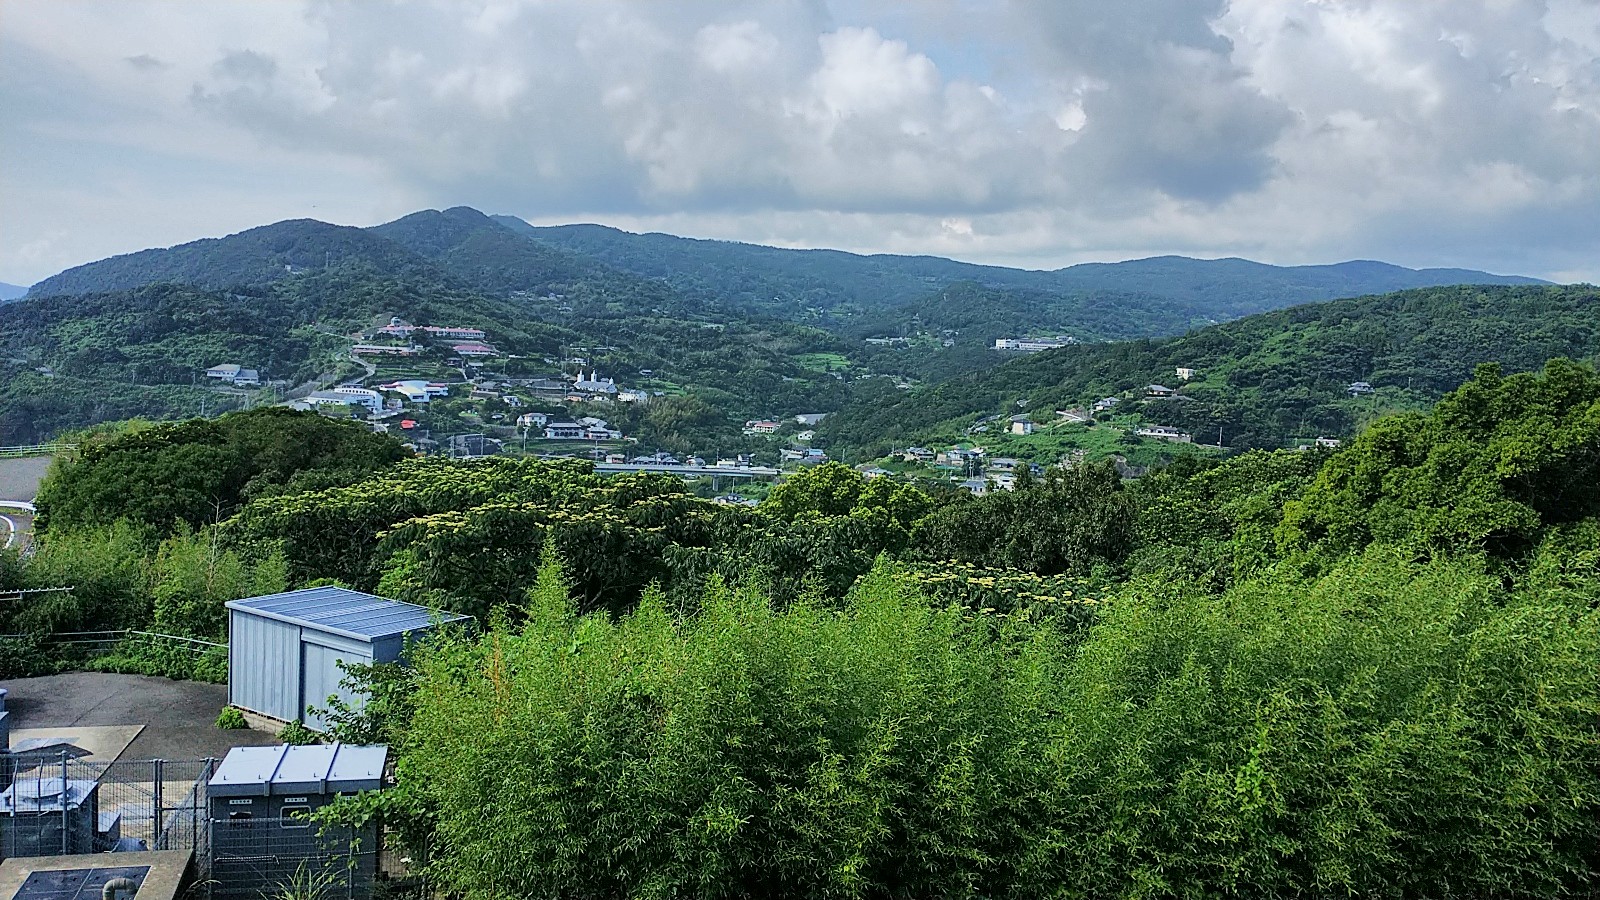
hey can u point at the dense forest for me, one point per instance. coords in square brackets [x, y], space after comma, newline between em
[1364, 672]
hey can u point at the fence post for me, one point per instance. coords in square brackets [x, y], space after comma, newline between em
[160, 769]
[66, 796]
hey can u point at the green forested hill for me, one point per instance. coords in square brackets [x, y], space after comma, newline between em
[1177, 290]
[1265, 379]
[250, 258]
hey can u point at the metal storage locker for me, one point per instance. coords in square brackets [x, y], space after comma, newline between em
[284, 649]
[260, 837]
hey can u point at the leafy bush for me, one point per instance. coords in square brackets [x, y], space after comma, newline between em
[26, 656]
[296, 733]
[231, 719]
[154, 655]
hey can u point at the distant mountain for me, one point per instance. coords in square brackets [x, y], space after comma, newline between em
[777, 279]
[1263, 379]
[459, 248]
[255, 257]
[11, 291]
[601, 270]
[473, 247]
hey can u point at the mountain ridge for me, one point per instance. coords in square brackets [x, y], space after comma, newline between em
[464, 246]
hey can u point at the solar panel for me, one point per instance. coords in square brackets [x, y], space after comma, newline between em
[76, 884]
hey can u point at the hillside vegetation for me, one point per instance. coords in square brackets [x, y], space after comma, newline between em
[1362, 673]
[1263, 380]
[789, 280]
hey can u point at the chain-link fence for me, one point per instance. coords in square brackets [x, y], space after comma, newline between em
[292, 855]
[55, 804]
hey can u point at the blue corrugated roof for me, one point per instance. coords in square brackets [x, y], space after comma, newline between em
[345, 612]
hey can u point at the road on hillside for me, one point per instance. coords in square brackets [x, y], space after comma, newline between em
[15, 529]
[20, 478]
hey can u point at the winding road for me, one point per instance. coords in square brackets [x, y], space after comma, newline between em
[19, 484]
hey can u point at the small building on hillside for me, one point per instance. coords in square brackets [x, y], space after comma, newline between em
[473, 348]
[1359, 389]
[284, 650]
[1165, 433]
[1185, 373]
[1158, 391]
[564, 431]
[1021, 425]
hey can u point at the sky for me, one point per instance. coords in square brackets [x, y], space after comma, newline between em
[1036, 134]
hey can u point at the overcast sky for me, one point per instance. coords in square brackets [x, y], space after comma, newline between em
[1422, 132]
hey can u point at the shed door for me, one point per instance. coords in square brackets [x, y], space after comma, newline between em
[322, 676]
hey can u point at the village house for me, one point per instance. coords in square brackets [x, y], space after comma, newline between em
[1032, 345]
[918, 454]
[416, 390]
[1021, 425]
[1164, 433]
[1158, 391]
[397, 328]
[563, 431]
[385, 350]
[532, 420]
[234, 374]
[1359, 388]
[332, 398]
[473, 348]
[760, 426]
[1185, 373]
[1105, 403]
[371, 399]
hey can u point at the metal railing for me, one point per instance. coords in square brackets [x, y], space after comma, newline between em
[129, 651]
[36, 450]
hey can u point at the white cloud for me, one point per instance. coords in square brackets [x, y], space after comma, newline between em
[1451, 132]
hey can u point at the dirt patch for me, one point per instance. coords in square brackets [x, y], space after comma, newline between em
[179, 716]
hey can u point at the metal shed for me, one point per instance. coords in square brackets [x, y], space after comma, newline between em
[284, 649]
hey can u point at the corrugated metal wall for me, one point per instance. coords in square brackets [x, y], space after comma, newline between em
[264, 666]
[320, 663]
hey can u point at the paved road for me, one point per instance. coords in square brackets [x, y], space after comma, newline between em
[15, 529]
[19, 478]
[179, 716]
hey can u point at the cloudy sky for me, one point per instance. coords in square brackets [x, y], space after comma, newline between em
[1423, 132]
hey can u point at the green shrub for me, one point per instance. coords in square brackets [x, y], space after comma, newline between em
[164, 658]
[231, 719]
[296, 733]
[26, 656]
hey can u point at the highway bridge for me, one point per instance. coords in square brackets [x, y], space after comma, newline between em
[714, 472]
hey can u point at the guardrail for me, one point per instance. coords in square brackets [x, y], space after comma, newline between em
[50, 449]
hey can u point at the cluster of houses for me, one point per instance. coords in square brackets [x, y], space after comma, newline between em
[978, 472]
